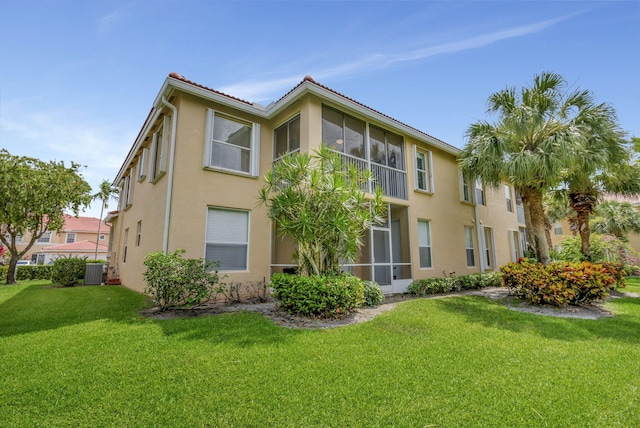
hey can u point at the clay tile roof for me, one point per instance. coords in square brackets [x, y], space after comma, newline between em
[180, 77]
[76, 247]
[310, 79]
[83, 224]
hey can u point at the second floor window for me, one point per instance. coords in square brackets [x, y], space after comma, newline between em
[344, 134]
[159, 149]
[479, 192]
[423, 175]
[232, 144]
[71, 238]
[286, 138]
[45, 238]
[507, 192]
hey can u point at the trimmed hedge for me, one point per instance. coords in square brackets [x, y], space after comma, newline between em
[175, 282]
[27, 272]
[562, 283]
[318, 295]
[423, 287]
[68, 271]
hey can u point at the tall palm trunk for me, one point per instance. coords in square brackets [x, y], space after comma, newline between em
[536, 212]
[583, 203]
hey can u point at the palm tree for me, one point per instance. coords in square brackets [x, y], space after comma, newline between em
[531, 144]
[106, 192]
[602, 164]
[616, 218]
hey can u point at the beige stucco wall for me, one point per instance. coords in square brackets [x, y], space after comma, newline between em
[494, 214]
[196, 188]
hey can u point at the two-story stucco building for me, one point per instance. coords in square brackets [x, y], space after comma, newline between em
[79, 237]
[192, 176]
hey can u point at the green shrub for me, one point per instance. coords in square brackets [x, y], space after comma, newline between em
[422, 287]
[477, 281]
[68, 271]
[318, 295]
[31, 272]
[176, 282]
[103, 262]
[562, 283]
[27, 272]
[372, 294]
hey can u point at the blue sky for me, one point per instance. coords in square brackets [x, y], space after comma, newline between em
[77, 78]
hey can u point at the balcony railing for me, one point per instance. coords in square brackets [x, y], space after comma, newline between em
[392, 181]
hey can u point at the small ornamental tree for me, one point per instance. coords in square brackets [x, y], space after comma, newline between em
[319, 201]
[35, 195]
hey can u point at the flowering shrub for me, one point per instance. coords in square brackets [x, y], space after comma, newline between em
[562, 283]
[318, 295]
[604, 248]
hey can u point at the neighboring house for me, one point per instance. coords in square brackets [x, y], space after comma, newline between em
[76, 229]
[82, 249]
[192, 176]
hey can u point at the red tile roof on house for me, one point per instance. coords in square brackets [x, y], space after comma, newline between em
[177, 76]
[76, 247]
[84, 224]
[310, 80]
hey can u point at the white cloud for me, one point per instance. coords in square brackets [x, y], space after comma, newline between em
[265, 90]
[108, 22]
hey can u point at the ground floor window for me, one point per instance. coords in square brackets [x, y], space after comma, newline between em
[424, 243]
[468, 238]
[227, 238]
[487, 238]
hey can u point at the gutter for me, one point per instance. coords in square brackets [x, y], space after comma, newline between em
[172, 154]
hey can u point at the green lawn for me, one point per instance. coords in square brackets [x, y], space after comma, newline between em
[85, 357]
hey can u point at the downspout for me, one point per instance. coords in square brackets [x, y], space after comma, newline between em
[479, 236]
[172, 150]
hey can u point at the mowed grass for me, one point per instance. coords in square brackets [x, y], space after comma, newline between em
[85, 357]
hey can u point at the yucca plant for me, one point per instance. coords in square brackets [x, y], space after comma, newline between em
[320, 202]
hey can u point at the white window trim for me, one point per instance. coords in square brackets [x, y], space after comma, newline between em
[254, 167]
[492, 248]
[287, 123]
[142, 164]
[430, 246]
[516, 250]
[508, 194]
[248, 212]
[464, 181]
[472, 247]
[162, 145]
[138, 233]
[431, 188]
[66, 239]
[127, 191]
[475, 192]
[48, 241]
